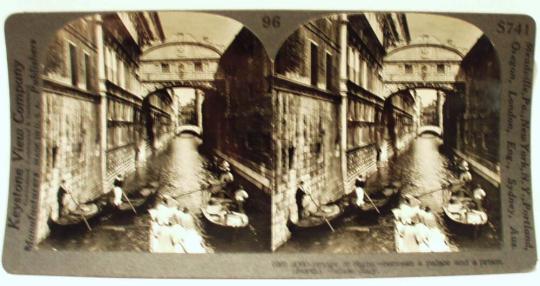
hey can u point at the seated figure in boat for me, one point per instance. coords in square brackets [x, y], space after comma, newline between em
[359, 186]
[455, 206]
[184, 218]
[427, 217]
[240, 197]
[164, 213]
[407, 212]
[214, 164]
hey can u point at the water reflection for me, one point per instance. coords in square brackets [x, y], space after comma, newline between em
[422, 169]
[181, 172]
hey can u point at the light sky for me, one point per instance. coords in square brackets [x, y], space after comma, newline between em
[185, 95]
[427, 95]
[461, 33]
[219, 30]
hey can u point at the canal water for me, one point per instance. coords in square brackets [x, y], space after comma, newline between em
[183, 173]
[421, 169]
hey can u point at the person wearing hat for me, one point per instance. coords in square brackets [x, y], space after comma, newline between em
[478, 195]
[225, 166]
[226, 178]
[240, 197]
[465, 176]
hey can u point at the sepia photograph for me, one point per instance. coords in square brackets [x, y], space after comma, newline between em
[150, 142]
[269, 143]
[175, 132]
[387, 135]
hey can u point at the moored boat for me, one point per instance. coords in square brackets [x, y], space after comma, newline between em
[416, 238]
[378, 202]
[81, 215]
[383, 199]
[137, 199]
[219, 213]
[462, 215]
[317, 220]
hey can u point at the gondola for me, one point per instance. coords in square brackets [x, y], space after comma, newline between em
[78, 216]
[318, 220]
[461, 214]
[384, 199]
[220, 215]
[407, 241]
[137, 199]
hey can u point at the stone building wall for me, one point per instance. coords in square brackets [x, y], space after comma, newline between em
[365, 125]
[129, 141]
[403, 117]
[123, 132]
[478, 130]
[70, 146]
[75, 96]
[307, 107]
[238, 117]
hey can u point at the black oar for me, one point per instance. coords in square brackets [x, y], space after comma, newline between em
[79, 206]
[427, 193]
[372, 203]
[437, 190]
[323, 216]
[129, 202]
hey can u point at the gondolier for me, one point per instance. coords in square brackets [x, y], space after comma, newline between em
[359, 185]
[226, 179]
[240, 197]
[478, 195]
[301, 193]
[117, 190]
[465, 176]
[60, 197]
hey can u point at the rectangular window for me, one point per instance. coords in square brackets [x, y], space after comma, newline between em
[165, 67]
[440, 68]
[314, 64]
[198, 66]
[356, 66]
[121, 76]
[370, 79]
[329, 74]
[350, 64]
[113, 67]
[87, 72]
[73, 64]
[127, 77]
[361, 71]
[408, 68]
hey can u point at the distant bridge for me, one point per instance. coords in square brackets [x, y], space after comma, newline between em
[189, 129]
[430, 129]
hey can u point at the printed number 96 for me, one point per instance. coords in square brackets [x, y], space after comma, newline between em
[271, 22]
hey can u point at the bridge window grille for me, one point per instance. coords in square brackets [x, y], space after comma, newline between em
[440, 68]
[198, 66]
[165, 67]
[408, 68]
